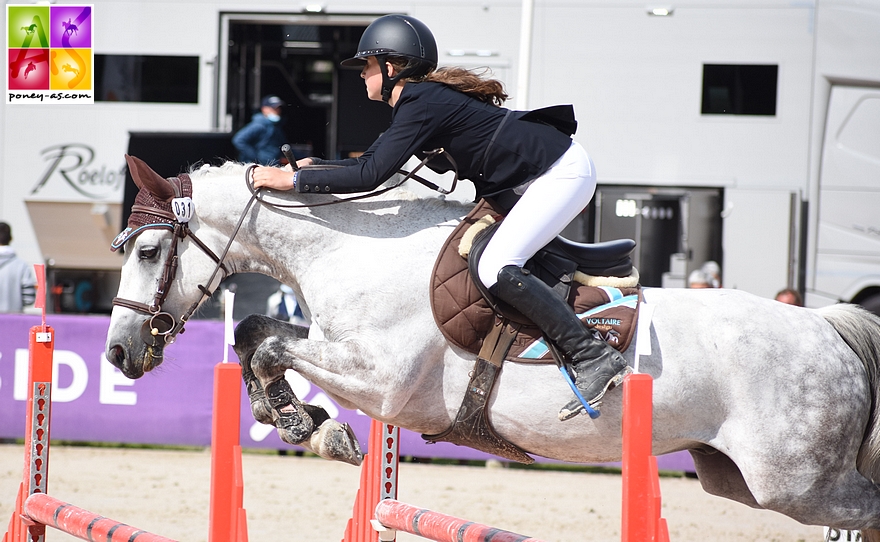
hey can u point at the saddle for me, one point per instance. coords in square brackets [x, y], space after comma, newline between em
[598, 280]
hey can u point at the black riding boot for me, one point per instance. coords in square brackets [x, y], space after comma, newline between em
[596, 365]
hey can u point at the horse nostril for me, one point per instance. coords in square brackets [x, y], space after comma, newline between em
[116, 356]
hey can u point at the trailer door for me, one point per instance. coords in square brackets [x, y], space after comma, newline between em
[848, 235]
[296, 57]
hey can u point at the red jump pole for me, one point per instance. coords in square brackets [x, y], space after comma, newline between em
[440, 527]
[378, 481]
[641, 521]
[85, 525]
[228, 520]
[16, 531]
[227, 488]
[41, 347]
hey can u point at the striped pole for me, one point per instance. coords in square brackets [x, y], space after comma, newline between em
[440, 527]
[43, 509]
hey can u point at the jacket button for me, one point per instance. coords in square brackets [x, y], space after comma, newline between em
[306, 188]
[326, 189]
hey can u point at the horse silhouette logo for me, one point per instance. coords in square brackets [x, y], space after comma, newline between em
[69, 68]
[31, 67]
[69, 28]
[30, 29]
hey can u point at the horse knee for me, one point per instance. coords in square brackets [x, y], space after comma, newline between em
[247, 337]
[266, 361]
[251, 332]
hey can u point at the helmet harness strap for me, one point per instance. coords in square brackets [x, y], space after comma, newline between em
[388, 81]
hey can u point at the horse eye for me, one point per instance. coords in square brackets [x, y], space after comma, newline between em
[148, 253]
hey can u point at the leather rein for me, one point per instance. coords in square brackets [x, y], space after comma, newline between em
[163, 324]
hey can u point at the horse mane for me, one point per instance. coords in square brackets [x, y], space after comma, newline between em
[860, 329]
[399, 194]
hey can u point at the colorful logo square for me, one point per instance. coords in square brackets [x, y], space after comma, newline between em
[27, 26]
[50, 57]
[28, 69]
[70, 69]
[71, 26]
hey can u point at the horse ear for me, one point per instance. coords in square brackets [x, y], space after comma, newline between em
[145, 178]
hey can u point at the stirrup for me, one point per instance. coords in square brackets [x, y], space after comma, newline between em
[580, 405]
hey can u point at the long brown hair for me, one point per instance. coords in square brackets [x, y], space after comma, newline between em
[473, 83]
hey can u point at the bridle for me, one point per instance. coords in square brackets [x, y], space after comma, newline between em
[161, 327]
[163, 324]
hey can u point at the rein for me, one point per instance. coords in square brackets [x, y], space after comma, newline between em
[430, 155]
[163, 324]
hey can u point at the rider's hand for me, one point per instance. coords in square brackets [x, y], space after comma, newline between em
[273, 177]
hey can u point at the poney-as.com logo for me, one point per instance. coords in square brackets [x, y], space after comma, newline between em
[50, 54]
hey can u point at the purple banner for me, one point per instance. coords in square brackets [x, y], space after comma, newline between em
[92, 401]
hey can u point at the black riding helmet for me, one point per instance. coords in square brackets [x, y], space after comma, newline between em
[397, 36]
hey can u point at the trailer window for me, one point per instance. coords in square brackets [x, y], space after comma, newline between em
[147, 78]
[736, 89]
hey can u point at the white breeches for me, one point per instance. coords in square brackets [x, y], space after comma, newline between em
[548, 205]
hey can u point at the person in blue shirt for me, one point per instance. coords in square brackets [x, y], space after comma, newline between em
[525, 161]
[261, 139]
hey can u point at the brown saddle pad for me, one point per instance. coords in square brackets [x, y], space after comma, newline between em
[465, 318]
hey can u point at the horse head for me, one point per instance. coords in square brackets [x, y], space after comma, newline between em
[155, 300]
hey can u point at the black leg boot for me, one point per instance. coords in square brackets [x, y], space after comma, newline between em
[597, 366]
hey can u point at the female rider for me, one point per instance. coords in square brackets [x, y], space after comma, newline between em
[532, 169]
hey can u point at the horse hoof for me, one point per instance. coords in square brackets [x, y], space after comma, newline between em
[337, 442]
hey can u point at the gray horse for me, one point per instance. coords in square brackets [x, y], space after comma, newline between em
[776, 403]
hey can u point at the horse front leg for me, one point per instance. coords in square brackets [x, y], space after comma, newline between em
[249, 335]
[259, 342]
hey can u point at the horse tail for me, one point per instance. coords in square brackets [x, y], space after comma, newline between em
[860, 330]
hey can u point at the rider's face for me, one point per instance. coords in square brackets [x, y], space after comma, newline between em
[372, 77]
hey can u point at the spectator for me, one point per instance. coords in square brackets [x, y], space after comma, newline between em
[790, 296]
[17, 280]
[713, 273]
[282, 305]
[698, 279]
[261, 139]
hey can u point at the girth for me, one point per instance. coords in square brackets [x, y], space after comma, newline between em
[472, 427]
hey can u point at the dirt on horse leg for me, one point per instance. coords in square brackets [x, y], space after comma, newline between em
[297, 423]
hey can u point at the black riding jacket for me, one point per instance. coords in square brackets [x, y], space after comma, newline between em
[428, 116]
